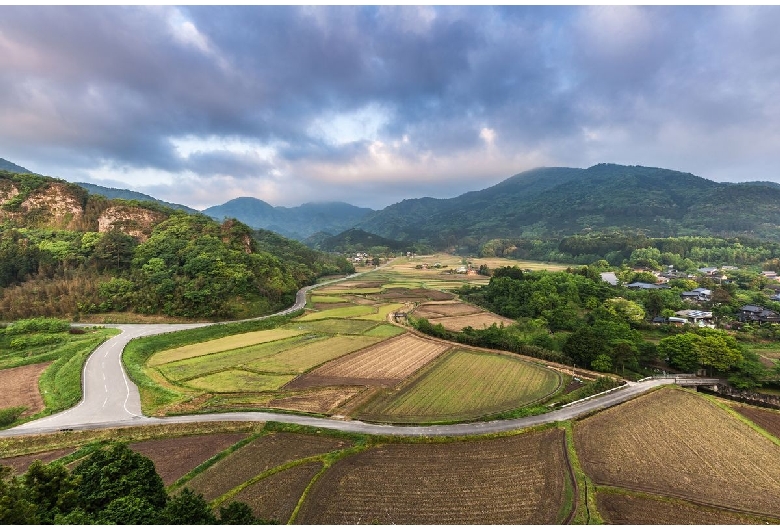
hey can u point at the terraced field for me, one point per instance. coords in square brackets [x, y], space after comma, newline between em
[676, 443]
[463, 385]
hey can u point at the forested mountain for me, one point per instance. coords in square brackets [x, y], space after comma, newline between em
[553, 202]
[355, 240]
[65, 252]
[115, 193]
[298, 222]
[10, 166]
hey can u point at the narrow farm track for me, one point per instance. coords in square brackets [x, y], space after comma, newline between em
[112, 400]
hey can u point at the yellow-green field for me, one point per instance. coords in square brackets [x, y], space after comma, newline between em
[214, 346]
[340, 312]
[464, 385]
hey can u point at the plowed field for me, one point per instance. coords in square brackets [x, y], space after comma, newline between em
[476, 321]
[21, 463]
[675, 442]
[514, 480]
[258, 456]
[387, 362]
[452, 309]
[319, 401]
[20, 387]
[274, 498]
[175, 457]
[767, 419]
[642, 509]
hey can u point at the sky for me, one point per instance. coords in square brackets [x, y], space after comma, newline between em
[198, 105]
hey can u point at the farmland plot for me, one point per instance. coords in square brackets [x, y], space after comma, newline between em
[334, 325]
[22, 462]
[339, 312]
[175, 457]
[262, 454]
[231, 342]
[274, 498]
[677, 443]
[643, 509]
[476, 321]
[320, 400]
[302, 358]
[465, 385]
[451, 309]
[514, 480]
[769, 420]
[383, 364]
[20, 387]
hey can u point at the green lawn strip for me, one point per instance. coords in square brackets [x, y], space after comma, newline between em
[232, 342]
[587, 511]
[13, 358]
[465, 385]
[766, 434]
[181, 371]
[339, 312]
[382, 312]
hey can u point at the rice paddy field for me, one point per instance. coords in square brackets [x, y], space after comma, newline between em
[349, 351]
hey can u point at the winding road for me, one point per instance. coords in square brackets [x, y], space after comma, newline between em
[111, 400]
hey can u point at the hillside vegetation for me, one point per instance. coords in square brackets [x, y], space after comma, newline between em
[65, 252]
[554, 202]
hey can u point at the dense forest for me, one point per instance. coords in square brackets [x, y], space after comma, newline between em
[151, 260]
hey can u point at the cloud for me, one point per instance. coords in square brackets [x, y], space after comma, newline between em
[373, 104]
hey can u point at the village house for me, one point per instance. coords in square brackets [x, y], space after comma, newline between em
[755, 313]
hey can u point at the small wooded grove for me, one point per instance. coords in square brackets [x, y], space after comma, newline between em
[190, 266]
[110, 486]
[575, 318]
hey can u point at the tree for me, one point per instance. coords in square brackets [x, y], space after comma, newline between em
[188, 508]
[110, 474]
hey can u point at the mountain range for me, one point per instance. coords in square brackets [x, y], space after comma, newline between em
[549, 202]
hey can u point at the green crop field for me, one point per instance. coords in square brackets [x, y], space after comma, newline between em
[199, 366]
[385, 331]
[324, 299]
[354, 290]
[465, 385]
[224, 344]
[382, 312]
[340, 312]
[240, 381]
[302, 358]
[334, 326]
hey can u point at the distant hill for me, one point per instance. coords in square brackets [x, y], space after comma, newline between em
[114, 193]
[355, 240]
[13, 168]
[552, 202]
[298, 222]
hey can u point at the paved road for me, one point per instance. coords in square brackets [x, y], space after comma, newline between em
[112, 400]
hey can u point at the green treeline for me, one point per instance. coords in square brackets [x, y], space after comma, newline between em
[619, 248]
[110, 486]
[190, 266]
[573, 317]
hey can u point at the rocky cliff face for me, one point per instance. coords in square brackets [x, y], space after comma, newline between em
[41, 202]
[131, 220]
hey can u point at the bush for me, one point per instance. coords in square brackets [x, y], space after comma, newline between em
[10, 415]
[39, 325]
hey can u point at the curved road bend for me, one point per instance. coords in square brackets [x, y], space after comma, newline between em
[112, 400]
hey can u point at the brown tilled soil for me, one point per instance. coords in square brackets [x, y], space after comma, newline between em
[677, 443]
[175, 457]
[638, 509]
[21, 463]
[318, 381]
[476, 321]
[20, 387]
[319, 401]
[767, 419]
[513, 480]
[274, 498]
[260, 455]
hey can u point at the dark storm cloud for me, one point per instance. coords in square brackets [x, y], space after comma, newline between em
[390, 97]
